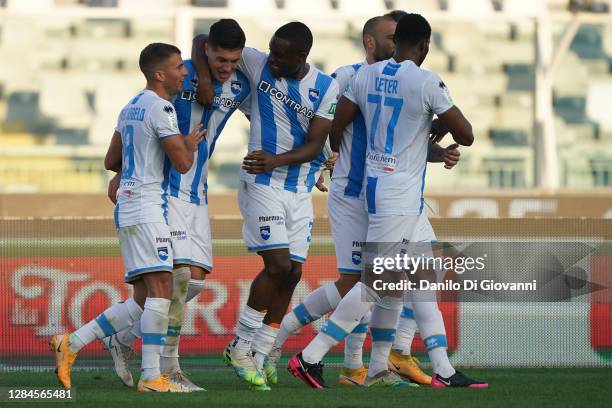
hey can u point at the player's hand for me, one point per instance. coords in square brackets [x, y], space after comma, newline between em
[195, 137]
[331, 161]
[113, 187]
[258, 162]
[438, 130]
[205, 93]
[451, 156]
[320, 184]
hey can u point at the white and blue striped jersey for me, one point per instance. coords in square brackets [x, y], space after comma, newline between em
[229, 96]
[349, 168]
[143, 123]
[398, 102]
[281, 111]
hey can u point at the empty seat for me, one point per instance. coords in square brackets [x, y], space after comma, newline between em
[416, 6]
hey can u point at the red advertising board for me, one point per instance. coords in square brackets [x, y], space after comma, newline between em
[44, 296]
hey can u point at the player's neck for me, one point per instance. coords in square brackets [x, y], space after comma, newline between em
[159, 90]
[404, 55]
[301, 73]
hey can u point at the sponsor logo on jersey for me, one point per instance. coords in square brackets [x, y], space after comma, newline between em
[266, 87]
[159, 240]
[382, 161]
[313, 94]
[264, 231]
[188, 95]
[267, 218]
[229, 103]
[179, 235]
[162, 253]
[356, 257]
[236, 87]
[332, 109]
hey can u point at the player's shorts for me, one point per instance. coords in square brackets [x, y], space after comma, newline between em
[190, 232]
[145, 248]
[423, 231]
[276, 218]
[348, 219]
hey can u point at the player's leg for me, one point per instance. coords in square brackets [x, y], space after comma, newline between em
[192, 247]
[139, 252]
[401, 360]
[264, 232]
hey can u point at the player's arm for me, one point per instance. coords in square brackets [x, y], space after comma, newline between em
[458, 126]
[205, 92]
[346, 112]
[259, 161]
[112, 160]
[180, 149]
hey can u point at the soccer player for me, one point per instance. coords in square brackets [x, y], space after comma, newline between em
[398, 100]
[187, 202]
[292, 107]
[146, 133]
[348, 219]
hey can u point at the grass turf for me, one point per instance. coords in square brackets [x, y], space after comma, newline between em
[508, 388]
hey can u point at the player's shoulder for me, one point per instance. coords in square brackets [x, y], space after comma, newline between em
[347, 70]
[320, 78]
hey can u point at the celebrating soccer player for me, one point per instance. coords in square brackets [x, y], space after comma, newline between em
[292, 107]
[146, 133]
[398, 100]
[188, 203]
[349, 220]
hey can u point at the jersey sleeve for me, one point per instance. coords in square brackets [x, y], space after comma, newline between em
[436, 96]
[163, 120]
[251, 61]
[352, 89]
[327, 108]
[245, 106]
[342, 76]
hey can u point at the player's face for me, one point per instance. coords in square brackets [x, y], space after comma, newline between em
[424, 48]
[174, 73]
[284, 60]
[383, 40]
[222, 62]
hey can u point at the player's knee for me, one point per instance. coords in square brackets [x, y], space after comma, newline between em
[294, 277]
[279, 270]
[346, 282]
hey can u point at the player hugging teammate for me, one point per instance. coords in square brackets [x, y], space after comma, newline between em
[162, 219]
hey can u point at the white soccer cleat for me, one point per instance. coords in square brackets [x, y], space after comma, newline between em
[270, 366]
[178, 377]
[121, 355]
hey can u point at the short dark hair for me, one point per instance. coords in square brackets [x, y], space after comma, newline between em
[370, 26]
[396, 15]
[298, 35]
[154, 55]
[411, 29]
[227, 34]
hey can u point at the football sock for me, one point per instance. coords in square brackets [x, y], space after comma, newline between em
[249, 322]
[195, 287]
[114, 319]
[154, 326]
[319, 302]
[128, 336]
[382, 328]
[345, 318]
[353, 344]
[263, 342]
[169, 352]
[406, 330]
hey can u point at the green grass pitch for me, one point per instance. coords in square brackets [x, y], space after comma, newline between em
[508, 388]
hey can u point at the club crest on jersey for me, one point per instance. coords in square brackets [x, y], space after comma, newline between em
[236, 87]
[356, 257]
[313, 94]
[162, 253]
[264, 231]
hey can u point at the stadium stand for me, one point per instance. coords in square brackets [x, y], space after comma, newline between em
[81, 68]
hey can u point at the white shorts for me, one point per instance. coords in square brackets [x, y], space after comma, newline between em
[190, 232]
[397, 232]
[348, 219]
[145, 248]
[423, 231]
[275, 218]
